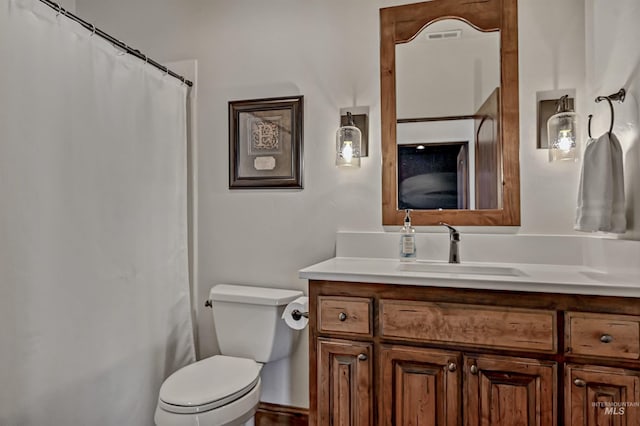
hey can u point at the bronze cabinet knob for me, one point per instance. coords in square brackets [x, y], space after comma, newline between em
[342, 316]
[606, 338]
[580, 383]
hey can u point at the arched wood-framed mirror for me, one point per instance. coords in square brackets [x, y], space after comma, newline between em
[494, 197]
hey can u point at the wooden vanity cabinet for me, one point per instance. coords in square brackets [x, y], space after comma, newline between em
[598, 396]
[397, 355]
[345, 393]
[419, 386]
[509, 391]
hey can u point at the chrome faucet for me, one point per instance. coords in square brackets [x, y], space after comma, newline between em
[454, 240]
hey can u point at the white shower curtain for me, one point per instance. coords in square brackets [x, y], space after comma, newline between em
[94, 294]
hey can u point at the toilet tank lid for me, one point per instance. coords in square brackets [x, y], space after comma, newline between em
[253, 295]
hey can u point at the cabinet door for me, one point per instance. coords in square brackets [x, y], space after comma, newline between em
[601, 396]
[419, 387]
[508, 391]
[345, 396]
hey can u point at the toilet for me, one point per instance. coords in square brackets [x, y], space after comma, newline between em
[225, 389]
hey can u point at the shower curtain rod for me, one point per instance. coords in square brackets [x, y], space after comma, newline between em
[114, 41]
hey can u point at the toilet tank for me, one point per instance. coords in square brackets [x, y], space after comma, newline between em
[248, 321]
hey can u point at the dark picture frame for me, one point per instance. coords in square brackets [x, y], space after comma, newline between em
[265, 143]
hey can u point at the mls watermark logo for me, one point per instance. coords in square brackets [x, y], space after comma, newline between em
[615, 408]
[614, 411]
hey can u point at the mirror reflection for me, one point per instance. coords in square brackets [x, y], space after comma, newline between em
[448, 118]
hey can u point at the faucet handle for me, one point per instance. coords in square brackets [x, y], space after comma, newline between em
[453, 232]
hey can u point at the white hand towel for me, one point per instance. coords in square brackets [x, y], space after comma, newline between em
[601, 192]
[618, 213]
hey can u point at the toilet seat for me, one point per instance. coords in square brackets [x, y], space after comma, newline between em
[233, 414]
[208, 384]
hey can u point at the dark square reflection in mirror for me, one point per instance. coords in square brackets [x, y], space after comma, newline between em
[433, 176]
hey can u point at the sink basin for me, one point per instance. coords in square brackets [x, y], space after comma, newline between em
[460, 268]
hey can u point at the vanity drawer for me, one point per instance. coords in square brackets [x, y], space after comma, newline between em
[350, 315]
[611, 336]
[471, 325]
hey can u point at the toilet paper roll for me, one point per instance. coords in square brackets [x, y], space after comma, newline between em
[301, 304]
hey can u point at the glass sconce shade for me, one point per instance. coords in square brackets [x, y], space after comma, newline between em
[348, 146]
[562, 132]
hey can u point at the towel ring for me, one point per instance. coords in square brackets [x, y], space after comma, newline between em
[618, 96]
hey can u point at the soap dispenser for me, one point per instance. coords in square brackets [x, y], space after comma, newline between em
[407, 239]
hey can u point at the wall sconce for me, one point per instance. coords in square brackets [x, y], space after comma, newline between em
[351, 141]
[562, 132]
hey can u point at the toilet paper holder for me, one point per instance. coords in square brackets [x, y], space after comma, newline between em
[296, 314]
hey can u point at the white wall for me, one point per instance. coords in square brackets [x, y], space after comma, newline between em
[68, 4]
[613, 61]
[551, 56]
[251, 49]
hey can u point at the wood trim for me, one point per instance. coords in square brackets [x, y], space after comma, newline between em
[410, 19]
[388, 118]
[313, 354]
[281, 415]
[510, 119]
[400, 24]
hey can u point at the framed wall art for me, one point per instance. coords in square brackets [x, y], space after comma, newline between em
[265, 143]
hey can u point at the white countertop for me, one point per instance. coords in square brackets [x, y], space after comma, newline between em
[532, 277]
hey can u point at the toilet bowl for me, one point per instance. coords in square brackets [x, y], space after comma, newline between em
[224, 390]
[219, 390]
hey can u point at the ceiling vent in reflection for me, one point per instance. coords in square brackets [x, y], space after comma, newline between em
[443, 35]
